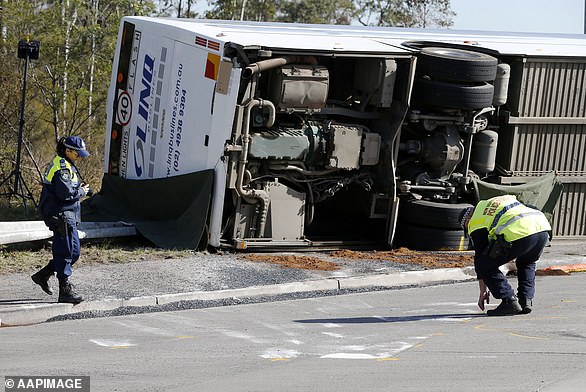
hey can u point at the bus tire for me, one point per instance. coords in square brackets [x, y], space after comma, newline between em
[456, 65]
[432, 214]
[452, 95]
[431, 239]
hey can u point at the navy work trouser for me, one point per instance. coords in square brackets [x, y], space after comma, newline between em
[66, 250]
[526, 252]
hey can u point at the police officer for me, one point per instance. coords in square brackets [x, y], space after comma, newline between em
[503, 229]
[60, 208]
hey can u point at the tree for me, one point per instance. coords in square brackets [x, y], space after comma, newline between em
[253, 10]
[405, 13]
[430, 13]
[316, 11]
[177, 8]
[78, 39]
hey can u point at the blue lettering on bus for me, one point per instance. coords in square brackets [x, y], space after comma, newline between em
[143, 111]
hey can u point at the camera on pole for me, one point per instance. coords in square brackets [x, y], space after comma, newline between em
[28, 50]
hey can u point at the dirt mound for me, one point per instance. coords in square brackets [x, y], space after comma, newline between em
[407, 256]
[400, 255]
[302, 262]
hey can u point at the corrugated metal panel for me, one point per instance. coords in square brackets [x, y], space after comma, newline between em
[539, 149]
[570, 214]
[553, 89]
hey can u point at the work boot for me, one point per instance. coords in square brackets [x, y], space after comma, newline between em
[508, 307]
[67, 295]
[526, 304]
[42, 279]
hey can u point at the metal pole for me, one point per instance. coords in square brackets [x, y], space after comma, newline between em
[17, 178]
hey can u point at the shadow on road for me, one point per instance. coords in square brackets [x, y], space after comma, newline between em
[376, 319]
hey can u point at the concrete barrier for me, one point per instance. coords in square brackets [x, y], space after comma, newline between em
[26, 231]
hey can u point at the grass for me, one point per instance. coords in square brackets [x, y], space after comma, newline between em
[18, 213]
[32, 256]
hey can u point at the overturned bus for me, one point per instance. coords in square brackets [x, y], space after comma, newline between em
[309, 135]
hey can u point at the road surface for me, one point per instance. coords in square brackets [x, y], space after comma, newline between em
[420, 339]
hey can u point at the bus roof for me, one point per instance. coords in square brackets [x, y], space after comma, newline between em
[344, 38]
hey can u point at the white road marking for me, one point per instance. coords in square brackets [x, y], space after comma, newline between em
[331, 325]
[390, 350]
[275, 353]
[111, 343]
[335, 335]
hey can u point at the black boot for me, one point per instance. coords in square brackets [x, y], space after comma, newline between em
[526, 304]
[508, 307]
[42, 279]
[66, 293]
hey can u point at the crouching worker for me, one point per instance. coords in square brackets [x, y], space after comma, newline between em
[503, 229]
[60, 208]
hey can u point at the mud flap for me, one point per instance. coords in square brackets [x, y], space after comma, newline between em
[543, 193]
[171, 212]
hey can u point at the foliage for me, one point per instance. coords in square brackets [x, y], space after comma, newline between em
[311, 11]
[177, 8]
[252, 10]
[405, 13]
[67, 86]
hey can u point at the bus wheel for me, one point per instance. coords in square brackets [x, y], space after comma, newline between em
[431, 214]
[456, 65]
[451, 95]
[423, 238]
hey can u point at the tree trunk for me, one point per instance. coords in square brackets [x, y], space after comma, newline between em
[68, 24]
[242, 9]
[95, 10]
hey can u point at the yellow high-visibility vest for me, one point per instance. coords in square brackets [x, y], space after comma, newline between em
[507, 216]
[60, 163]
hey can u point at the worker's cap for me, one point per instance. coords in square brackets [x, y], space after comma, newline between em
[76, 143]
[465, 214]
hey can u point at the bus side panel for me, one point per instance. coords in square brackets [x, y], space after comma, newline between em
[187, 114]
[162, 111]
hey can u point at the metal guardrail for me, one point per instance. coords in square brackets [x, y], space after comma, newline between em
[25, 231]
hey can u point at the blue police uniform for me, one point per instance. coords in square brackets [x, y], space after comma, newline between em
[59, 205]
[60, 208]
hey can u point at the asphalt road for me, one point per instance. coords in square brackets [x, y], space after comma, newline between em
[420, 339]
